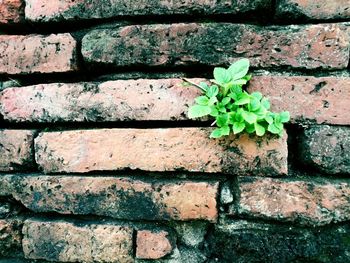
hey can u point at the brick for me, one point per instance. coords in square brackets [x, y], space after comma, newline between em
[121, 100]
[37, 54]
[69, 242]
[302, 202]
[11, 237]
[308, 99]
[152, 245]
[11, 11]
[121, 198]
[313, 10]
[56, 10]
[246, 241]
[16, 150]
[312, 46]
[326, 148]
[188, 149]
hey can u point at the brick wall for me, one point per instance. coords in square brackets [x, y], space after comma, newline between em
[99, 162]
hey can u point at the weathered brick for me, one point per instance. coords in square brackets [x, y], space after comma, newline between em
[11, 11]
[326, 148]
[244, 241]
[11, 237]
[312, 46]
[313, 9]
[308, 202]
[121, 100]
[122, 198]
[56, 10]
[188, 149]
[310, 99]
[16, 150]
[153, 245]
[69, 242]
[37, 54]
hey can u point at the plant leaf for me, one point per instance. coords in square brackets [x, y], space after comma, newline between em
[212, 91]
[259, 129]
[265, 103]
[273, 129]
[222, 120]
[214, 112]
[202, 100]
[225, 100]
[204, 85]
[284, 116]
[249, 117]
[257, 95]
[250, 128]
[239, 69]
[243, 99]
[198, 111]
[222, 75]
[238, 127]
[219, 132]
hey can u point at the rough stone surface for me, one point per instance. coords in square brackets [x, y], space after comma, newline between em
[16, 150]
[191, 234]
[122, 198]
[56, 10]
[120, 100]
[326, 148]
[258, 242]
[308, 99]
[188, 149]
[11, 11]
[310, 47]
[69, 242]
[152, 245]
[302, 202]
[11, 237]
[313, 9]
[37, 54]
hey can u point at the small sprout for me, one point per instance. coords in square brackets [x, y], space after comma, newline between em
[234, 109]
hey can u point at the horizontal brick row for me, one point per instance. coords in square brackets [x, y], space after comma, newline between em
[247, 241]
[309, 47]
[37, 54]
[56, 10]
[16, 150]
[304, 202]
[326, 148]
[185, 149]
[308, 99]
[122, 198]
[292, 10]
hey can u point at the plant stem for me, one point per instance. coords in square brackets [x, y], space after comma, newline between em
[194, 84]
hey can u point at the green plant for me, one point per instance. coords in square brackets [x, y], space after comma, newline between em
[234, 109]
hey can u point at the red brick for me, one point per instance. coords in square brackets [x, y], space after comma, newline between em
[68, 242]
[11, 11]
[306, 46]
[56, 10]
[188, 149]
[313, 9]
[11, 237]
[308, 99]
[152, 245]
[306, 202]
[122, 198]
[121, 100]
[37, 54]
[16, 153]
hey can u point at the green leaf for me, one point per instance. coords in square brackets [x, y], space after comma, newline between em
[239, 82]
[204, 85]
[260, 130]
[247, 77]
[250, 128]
[222, 75]
[265, 103]
[238, 127]
[212, 101]
[249, 117]
[214, 112]
[239, 117]
[254, 104]
[269, 119]
[231, 117]
[219, 132]
[222, 120]
[243, 99]
[202, 100]
[239, 69]
[221, 108]
[198, 111]
[284, 116]
[237, 89]
[225, 100]
[274, 129]
[257, 95]
[212, 91]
